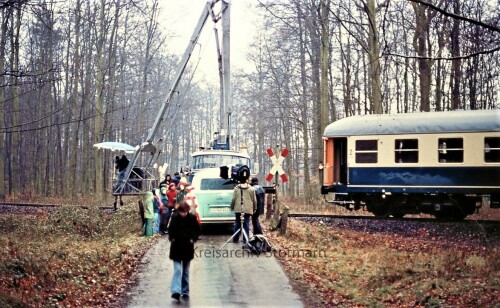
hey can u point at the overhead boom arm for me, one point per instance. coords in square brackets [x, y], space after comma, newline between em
[207, 10]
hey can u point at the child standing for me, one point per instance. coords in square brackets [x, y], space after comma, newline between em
[149, 214]
[157, 208]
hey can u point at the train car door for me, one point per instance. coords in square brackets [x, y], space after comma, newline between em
[340, 161]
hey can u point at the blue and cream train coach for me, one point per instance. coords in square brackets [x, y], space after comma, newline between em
[440, 163]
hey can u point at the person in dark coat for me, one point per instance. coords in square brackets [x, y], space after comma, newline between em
[166, 212]
[177, 178]
[166, 182]
[121, 166]
[183, 231]
[260, 194]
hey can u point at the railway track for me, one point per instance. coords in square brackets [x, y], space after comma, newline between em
[365, 217]
[48, 205]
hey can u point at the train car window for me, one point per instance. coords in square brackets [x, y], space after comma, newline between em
[492, 150]
[406, 151]
[451, 150]
[366, 151]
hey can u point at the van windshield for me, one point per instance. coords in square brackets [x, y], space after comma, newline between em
[215, 184]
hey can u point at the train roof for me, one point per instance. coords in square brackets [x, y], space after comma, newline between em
[416, 123]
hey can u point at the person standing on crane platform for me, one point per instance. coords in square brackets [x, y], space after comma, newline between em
[121, 166]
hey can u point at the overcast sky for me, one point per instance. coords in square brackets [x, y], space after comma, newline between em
[178, 20]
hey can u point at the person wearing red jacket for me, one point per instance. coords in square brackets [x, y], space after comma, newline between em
[171, 196]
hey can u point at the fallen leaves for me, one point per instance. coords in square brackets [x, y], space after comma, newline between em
[57, 261]
[384, 269]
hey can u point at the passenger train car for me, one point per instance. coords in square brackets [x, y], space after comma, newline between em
[440, 163]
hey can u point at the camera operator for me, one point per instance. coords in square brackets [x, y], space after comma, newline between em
[244, 202]
[259, 193]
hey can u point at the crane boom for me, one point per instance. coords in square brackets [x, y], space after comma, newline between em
[147, 145]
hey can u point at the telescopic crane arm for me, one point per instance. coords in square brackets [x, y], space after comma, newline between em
[147, 145]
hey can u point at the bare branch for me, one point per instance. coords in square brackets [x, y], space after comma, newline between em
[446, 13]
[444, 58]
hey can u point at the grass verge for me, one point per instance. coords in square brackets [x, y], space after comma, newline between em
[338, 267]
[70, 257]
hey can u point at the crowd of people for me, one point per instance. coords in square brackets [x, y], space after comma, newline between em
[171, 209]
[163, 201]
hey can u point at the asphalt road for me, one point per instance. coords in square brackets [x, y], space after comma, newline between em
[229, 277]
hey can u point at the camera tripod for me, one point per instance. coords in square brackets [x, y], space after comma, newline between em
[242, 230]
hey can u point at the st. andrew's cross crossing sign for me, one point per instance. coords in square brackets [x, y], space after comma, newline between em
[277, 161]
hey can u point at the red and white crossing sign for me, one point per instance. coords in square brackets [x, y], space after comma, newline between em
[277, 161]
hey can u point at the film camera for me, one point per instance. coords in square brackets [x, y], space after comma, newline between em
[235, 174]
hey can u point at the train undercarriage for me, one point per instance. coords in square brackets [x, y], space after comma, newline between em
[442, 206]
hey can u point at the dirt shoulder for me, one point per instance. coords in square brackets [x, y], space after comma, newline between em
[338, 265]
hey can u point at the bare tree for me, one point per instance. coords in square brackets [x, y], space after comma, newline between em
[373, 56]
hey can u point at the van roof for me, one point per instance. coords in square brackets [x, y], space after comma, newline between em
[222, 153]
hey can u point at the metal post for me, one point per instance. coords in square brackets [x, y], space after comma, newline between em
[320, 173]
[276, 210]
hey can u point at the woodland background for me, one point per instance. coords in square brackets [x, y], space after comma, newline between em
[75, 73]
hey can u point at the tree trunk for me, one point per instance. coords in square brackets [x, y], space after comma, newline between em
[15, 159]
[99, 108]
[456, 65]
[423, 18]
[3, 41]
[373, 56]
[324, 65]
[72, 177]
[304, 107]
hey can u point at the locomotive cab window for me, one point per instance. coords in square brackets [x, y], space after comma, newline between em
[406, 151]
[366, 151]
[492, 149]
[451, 150]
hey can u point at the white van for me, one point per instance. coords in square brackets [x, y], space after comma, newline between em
[213, 195]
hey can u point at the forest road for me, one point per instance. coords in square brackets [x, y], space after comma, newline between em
[229, 277]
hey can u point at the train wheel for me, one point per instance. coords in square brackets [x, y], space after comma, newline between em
[379, 208]
[441, 216]
[398, 214]
[458, 214]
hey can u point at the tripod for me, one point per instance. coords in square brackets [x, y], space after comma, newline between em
[241, 229]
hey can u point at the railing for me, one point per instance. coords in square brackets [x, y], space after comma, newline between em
[140, 181]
